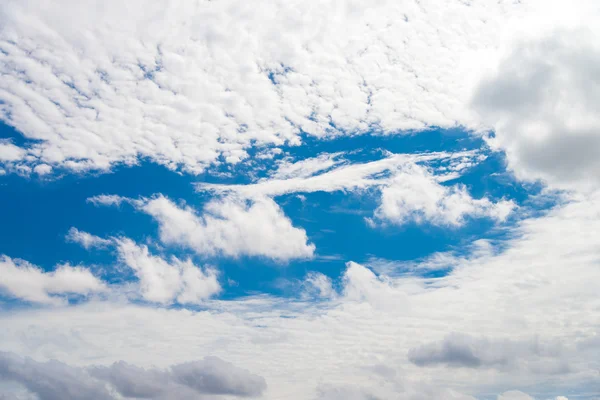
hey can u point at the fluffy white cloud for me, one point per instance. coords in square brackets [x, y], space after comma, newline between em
[193, 84]
[318, 285]
[164, 282]
[86, 240]
[543, 102]
[25, 281]
[9, 152]
[410, 191]
[543, 282]
[42, 169]
[230, 226]
[188, 84]
[415, 195]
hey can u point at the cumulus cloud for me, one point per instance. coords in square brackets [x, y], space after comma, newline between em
[543, 103]
[410, 190]
[28, 282]
[54, 380]
[42, 169]
[232, 227]
[9, 152]
[162, 281]
[363, 286]
[415, 195]
[318, 285]
[85, 239]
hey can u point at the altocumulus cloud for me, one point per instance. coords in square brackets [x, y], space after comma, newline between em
[147, 82]
[54, 380]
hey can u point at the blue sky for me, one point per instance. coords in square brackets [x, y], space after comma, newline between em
[39, 211]
[290, 200]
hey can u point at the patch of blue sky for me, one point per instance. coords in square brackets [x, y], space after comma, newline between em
[36, 214]
[10, 134]
[356, 148]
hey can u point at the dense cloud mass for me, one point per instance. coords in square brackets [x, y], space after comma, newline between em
[190, 84]
[205, 80]
[55, 380]
[355, 200]
[470, 352]
[543, 103]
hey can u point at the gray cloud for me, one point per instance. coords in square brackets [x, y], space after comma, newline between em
[329, 392]
[215, 376]
[464, 351]
[544, 105]
[54, 380]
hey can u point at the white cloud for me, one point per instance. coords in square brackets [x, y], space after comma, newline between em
[362, 285]
[409, 191]
[232, 227]
[193, 84]
[344, 177]
[42, 169]
[438, 261]
[307, 167]
[25, 281]
[189, 85]
[164, 282]
[543, 283]
[9, 152]
[86, 240]
[543, 102]
[318, 285]
[107, 200]
[415, 195]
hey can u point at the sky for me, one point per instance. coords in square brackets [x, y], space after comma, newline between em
[322, 200]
